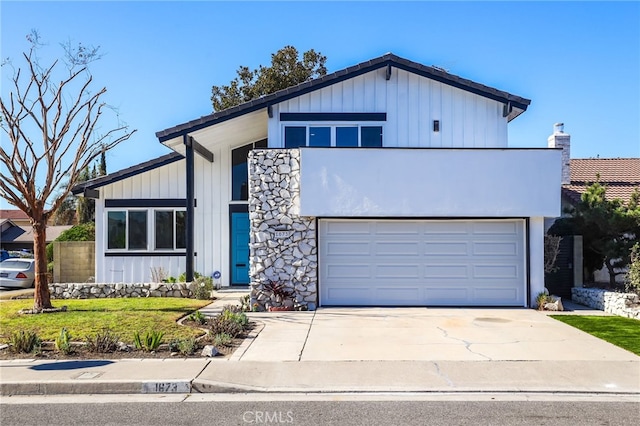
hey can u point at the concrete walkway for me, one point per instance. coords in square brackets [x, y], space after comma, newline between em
[363, 350]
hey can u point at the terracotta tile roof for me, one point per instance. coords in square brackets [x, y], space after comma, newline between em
[13, 214]
[621, 176]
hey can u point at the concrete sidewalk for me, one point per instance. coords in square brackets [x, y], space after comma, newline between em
[362, 350]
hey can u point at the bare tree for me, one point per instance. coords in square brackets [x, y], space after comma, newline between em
[54, 132]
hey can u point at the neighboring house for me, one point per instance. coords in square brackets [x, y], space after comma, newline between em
[386, 183]
[16, 233]
[621, 176]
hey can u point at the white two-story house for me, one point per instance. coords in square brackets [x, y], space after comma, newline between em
[386, 183]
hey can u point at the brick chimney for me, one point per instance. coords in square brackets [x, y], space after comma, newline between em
[560, 139]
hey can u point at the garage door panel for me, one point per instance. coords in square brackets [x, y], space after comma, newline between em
[395, 294]
[397, 228]
[347, 228]
[441, 248]
[397, 271]
[496, 271]
[345, 272]
[495, 227]
[506, 248]
[397, 248]
[341, 248]
[422, 262]
[446, 271]
[446, 228]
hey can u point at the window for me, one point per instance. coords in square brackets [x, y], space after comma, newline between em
[340, 135]
[129, 229]
[170, 229]
[240, 170]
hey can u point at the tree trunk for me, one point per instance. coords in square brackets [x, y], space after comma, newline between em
[41, 297]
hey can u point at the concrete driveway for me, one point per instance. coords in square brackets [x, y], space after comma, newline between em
[422, 334]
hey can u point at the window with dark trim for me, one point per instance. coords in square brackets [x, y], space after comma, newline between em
[128, 230]
[333, 135]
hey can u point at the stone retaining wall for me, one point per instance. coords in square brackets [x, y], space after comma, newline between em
[607, 301]
[98, 291]
[282, 244]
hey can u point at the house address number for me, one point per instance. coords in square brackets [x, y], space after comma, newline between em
[281, 234]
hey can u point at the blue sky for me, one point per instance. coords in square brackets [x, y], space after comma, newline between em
[579, 62]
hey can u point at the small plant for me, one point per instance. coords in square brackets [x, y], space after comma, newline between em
[25, 342]
[63, 342]
[279, 290]
[198, 317]
[183, 276]
[245, 303]
[150, 342]
[202, 288]
[171, 280]
[184, 346]
[222, 339]
[232, 313]
[104, 341]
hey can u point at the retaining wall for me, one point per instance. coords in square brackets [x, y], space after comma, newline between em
[608, 301]
[106, 290]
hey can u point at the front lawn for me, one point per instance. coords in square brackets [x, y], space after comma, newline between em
[622, 332]
[124, 316]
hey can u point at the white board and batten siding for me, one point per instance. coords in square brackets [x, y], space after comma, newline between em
[212, 193]
[411, 102]
[422, 262]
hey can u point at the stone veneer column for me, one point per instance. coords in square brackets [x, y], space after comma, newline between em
[282, 244]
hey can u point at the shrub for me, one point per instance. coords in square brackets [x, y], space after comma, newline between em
[222, 339]
[25, 342]
[104, 341]
[198, 317]
[202, 287]
[63, 342]
[183, 276]
[184, 346]
[233, 313]
[220, 324]
[632, 281]
[150, 342]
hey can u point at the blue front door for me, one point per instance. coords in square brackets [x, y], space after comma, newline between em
[239, 248]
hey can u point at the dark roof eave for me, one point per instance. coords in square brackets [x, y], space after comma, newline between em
[518, 103]
[126, 173]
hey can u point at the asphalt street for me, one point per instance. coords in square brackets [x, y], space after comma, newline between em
[336, 409]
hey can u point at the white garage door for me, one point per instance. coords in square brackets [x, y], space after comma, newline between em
[426, 262]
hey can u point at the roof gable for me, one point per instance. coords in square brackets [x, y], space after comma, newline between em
[514, 105]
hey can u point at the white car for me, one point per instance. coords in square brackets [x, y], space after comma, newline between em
[17, 272]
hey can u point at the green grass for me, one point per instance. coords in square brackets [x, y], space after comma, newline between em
[622, 332]
[85, 317]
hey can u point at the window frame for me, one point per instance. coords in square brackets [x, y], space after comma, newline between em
[150, 230]
[233, 148]
[332, 126]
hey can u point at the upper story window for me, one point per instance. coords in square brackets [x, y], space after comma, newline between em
[240, 170]
[333, 135]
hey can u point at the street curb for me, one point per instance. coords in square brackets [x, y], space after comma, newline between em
[95, 387]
